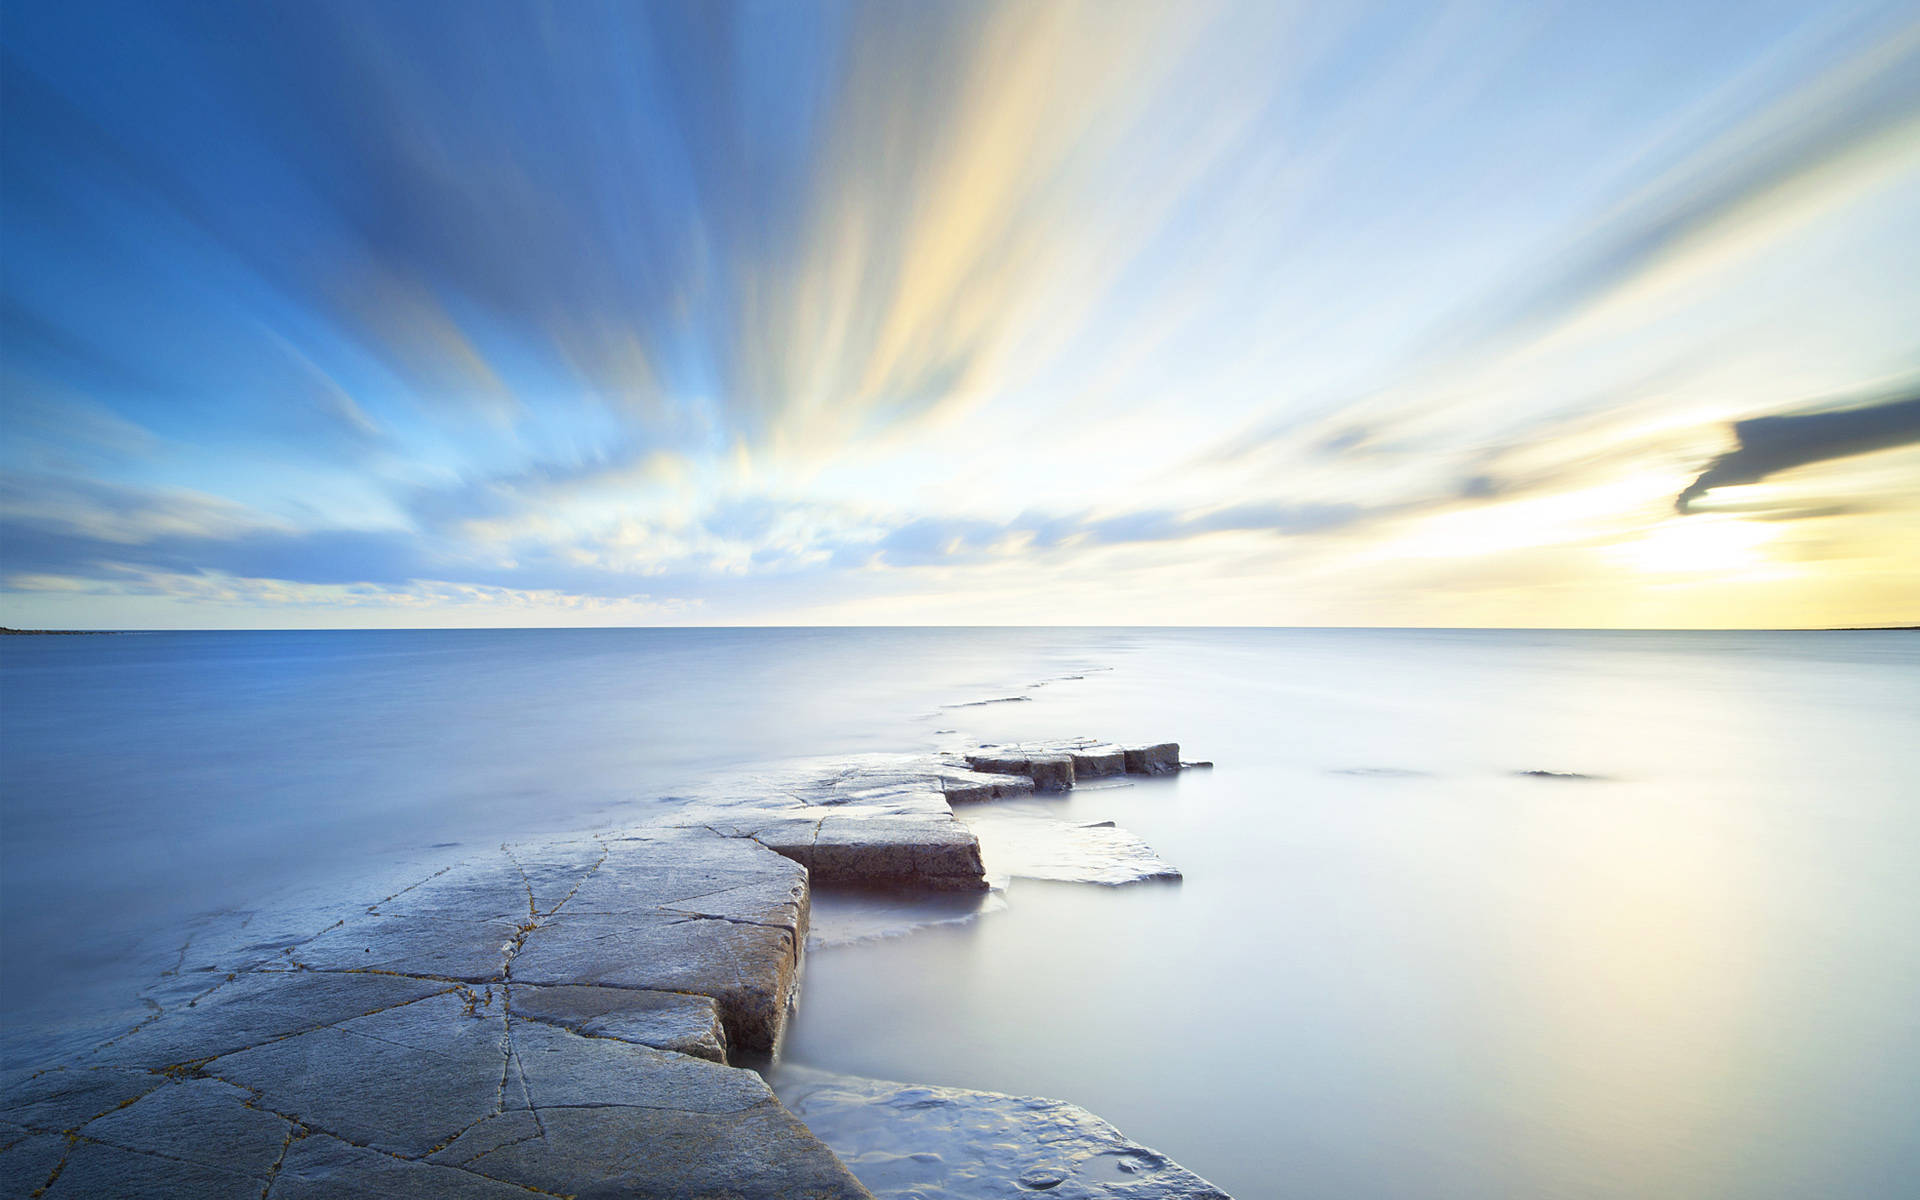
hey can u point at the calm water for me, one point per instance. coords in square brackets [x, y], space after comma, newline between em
[1395, 967]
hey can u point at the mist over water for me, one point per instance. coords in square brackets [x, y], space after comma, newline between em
[1682, 964]
[153, 778]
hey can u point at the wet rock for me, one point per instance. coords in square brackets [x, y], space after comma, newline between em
[201, 1121]
[319, 1167]
[93, 1171]
[935, 853]
[1098, 761]
[843, 917]
[1163, 758]
[1051, 772]
[1029, 842]
[559, 1069]
[664, 1020]
[790, 837]
[960, 786]
[560, 1113]
[64, 1099]
[675, 868]
[1084, 759]
[28, 1160]
[549, 1018]
[934, 1143]
[474, 951]
[404, 1080]
[747, 969]
[998, 762]
[604, 1152]
[262, 1007]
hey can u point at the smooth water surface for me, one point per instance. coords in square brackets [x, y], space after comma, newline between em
[147, 779]
[1395, 967]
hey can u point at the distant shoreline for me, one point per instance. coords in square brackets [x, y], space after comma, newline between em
[4, 630]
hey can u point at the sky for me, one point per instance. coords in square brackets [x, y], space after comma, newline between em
[482, 314]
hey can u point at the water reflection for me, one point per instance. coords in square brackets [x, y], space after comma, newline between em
[1691, 974]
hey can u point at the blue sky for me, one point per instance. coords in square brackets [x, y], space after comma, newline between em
[513, 314]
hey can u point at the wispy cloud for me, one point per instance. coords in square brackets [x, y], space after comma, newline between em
[776, 310]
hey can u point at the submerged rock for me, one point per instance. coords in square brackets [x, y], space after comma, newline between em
[1029, 842]
[935, 1143]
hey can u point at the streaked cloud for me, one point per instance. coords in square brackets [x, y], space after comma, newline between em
[1031, 312]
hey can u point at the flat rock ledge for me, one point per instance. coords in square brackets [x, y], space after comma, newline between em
[911, 1142]
[1057, 766]
[889, 823]
[551, 1019]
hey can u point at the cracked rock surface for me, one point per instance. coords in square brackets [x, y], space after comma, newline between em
[551, 1019]
[540, 1021]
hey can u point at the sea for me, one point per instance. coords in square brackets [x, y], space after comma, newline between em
[1464, 913]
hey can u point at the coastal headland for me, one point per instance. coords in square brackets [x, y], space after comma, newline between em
[578, 1017]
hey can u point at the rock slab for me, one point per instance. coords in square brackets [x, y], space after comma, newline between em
[907, 1142]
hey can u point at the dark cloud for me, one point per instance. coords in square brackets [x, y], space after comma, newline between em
[1772, 444]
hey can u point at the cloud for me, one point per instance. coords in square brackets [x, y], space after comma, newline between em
[929, 540]
[1768, 445]
[115, 514]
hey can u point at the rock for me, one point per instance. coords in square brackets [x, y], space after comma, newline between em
[936, 853]
[603, 1153]
[1084, 759]
[998, 762]
[960, 786]
[201, 1121]
[1160, 759]
[1030, 843]
[319, 1167]
[1098, 762]
[28, 1160]
[93, 1171]
[935, 1143]
[473, 951]
[1051, 772]
[560, 1069]
[544, 1019]
[664, 1020]
[747, 969]
[789, 837]
[403, 1081]
[263, 1007]
[64, 1099]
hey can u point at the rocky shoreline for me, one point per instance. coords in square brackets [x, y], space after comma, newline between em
[577, 1018]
